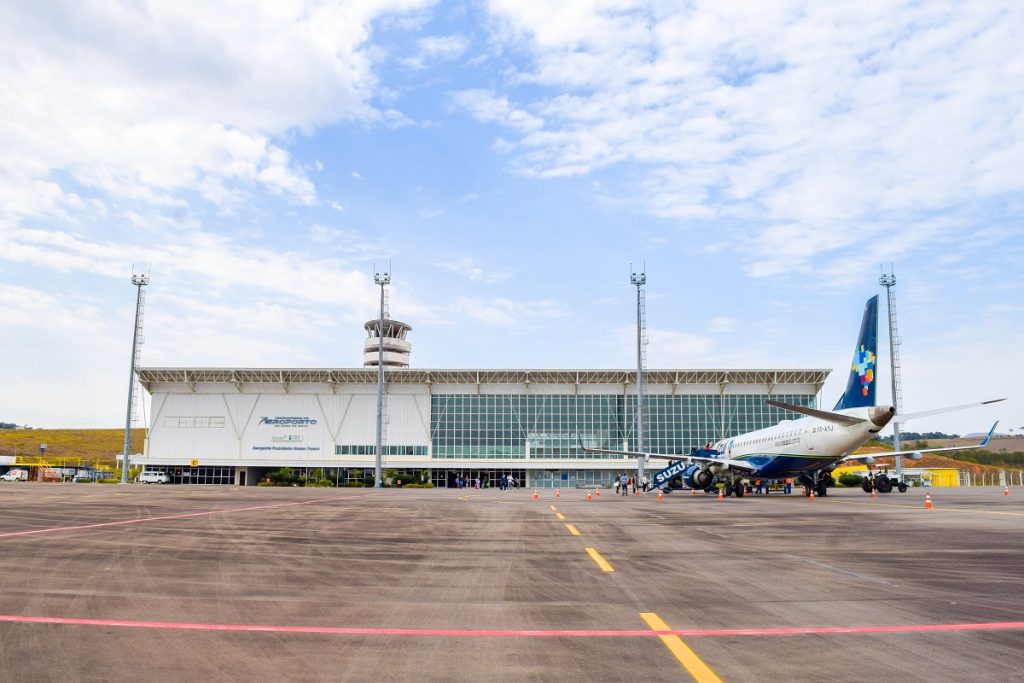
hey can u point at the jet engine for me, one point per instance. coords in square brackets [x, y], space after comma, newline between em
[916, 455]
[697, 477]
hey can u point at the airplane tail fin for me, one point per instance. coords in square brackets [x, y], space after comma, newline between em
[860, 388]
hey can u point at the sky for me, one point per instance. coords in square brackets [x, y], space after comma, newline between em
[511, 162]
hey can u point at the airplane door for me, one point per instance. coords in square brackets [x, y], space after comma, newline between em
[808, 440]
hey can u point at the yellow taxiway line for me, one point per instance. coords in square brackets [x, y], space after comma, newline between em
[693, 664]
[560, 516]
[572, 530]
[601, 562]
[553, 508]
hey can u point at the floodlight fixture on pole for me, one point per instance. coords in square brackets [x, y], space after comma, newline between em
[888, 280]
[140, 280]
[382, 280]
[639, 280]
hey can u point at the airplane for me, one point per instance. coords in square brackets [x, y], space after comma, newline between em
[809, 448]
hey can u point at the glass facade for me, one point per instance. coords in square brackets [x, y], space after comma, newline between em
[195, 475]
[552, 425]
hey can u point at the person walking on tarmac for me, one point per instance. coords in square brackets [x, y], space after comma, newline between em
[624, 481]
[645, 483]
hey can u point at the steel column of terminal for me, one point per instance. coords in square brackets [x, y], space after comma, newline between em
[140, 281]
[382, 279]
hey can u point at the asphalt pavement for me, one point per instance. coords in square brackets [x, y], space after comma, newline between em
[181, 583]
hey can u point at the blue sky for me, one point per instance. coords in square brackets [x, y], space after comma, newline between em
[510, 160]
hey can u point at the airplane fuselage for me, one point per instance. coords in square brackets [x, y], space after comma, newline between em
[807, 444]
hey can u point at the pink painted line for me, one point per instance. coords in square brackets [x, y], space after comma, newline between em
[140, 520]
[465, 633]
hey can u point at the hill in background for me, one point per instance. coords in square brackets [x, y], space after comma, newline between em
[93, 446]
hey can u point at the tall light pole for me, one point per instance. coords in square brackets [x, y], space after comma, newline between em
[381, 279]
[140, 280]
[888, 280]
[639, 280]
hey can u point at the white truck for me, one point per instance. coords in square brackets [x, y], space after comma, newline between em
[14, 475]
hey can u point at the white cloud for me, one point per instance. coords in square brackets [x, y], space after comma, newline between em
[473, 270]
[144, 105]
[469, 197]
[199, 258]
[433, 49]
[487, 107]
[350, 244]
[723, 324]
[430, 214]
[821, 127]
[357, 175]
[505, 312]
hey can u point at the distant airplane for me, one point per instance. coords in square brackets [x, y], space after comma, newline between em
[807, 449]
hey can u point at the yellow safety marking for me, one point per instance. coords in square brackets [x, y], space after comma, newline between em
[553, 508]
[560, 516]
[572, 530]
[463, 497]
[601, 562]
[921, 507]
[693, 664]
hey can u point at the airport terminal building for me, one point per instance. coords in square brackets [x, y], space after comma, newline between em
[235, 425]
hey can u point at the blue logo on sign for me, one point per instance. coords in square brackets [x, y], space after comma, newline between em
[287, 421]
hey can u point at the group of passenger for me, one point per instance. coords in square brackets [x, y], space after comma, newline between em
[507, 482]
[626, 483]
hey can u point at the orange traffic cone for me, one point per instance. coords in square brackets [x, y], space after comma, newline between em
[873, 494]
[597, 492]
[558, 494]
[589, 496]
[536, 495]
[927, 501]
[636, 492]
[721, 496]
[1006, 490]
[693, 492]
[661, 496]
[811, 496]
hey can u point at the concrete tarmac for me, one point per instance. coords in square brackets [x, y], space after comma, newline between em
[188, 583]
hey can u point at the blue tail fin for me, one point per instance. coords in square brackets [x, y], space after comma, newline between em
[860, 388]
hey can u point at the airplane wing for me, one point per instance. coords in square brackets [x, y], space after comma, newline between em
[838, 418]
[938, 411]
[918, 452]
[725, 462]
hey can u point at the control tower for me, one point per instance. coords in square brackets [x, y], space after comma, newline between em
[396, 348]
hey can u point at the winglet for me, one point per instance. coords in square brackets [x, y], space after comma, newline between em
[989, 435]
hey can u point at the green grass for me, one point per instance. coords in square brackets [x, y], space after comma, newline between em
[91, 446]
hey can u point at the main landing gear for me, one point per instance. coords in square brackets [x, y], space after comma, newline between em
[734, 488]
[817, 482]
